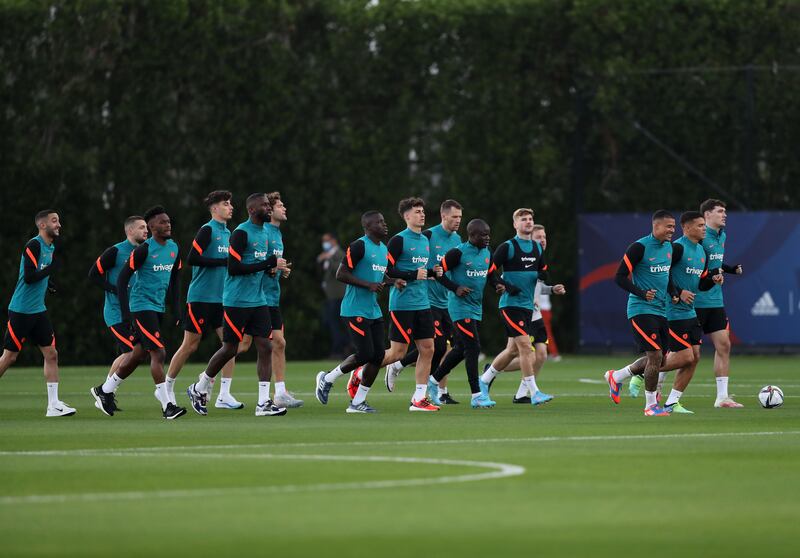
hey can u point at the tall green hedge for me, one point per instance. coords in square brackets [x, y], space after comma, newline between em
[110, 107]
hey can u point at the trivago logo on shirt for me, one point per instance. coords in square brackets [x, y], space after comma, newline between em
[419, 260]
[659, 269]
[693, 271]
[222, 249]
[712, 257]
[477, 273]
[163, 267]
[381, 268]
[259, 255]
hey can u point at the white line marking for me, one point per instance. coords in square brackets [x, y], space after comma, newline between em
[538, 439]
[496, 471]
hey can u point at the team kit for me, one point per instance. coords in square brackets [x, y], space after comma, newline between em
[436, 281]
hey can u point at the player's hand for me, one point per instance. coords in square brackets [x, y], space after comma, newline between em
[739, 269]
[438, 270]
[719, 279]
[400, 284]
[687, 296]
[650, 295]
[422, 273]
[499, 288]
[375, 287]
[281, 264]
[513, 290]
[462, 291]
[288, 270]
[559, 289]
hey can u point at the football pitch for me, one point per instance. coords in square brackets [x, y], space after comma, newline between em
[576, 477]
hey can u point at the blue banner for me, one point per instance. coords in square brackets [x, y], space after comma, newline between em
[763, 304]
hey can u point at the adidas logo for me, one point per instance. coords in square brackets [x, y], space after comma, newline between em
[765, 306]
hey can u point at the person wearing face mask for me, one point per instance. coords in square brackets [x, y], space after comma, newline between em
[328, 261]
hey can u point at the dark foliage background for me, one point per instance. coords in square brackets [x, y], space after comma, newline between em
[110, 107]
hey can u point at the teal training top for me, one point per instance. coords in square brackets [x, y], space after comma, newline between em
[686, 273]
[111, 312]
[409, 251]
[467, 266]
[153, 276]
[28, 298]
[207, 281]
[367, 261]
[650, 271]
[272, 283]
[522, 262]
[441, 242]
[246, 291]
[714, 245]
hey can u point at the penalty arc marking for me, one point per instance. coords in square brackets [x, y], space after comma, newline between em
[492, 470]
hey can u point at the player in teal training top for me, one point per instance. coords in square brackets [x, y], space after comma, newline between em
[523, 262]
[644, 272]
[710, 305]
[364, 272]
[157, 264]
[409, 308]
[27, 314]
[208, 257]
[105, 272]
[245, 307]
[441, 238]
[467, 269]
[271, 283]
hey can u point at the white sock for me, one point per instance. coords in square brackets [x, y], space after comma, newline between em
[442, 390]
[420, 392]
[170, 385]
[361, 394]
[722, 387]
[623, 374]
[522, 390]
[263, 392]
[204, 383]
[530, 381]
[280, 388]
[674, 396]
[52, 394]
[163, 396]
[649, 399]
[112, 383]
[661, 377]
[489, 375]
[225, 387]
[334, 375]
[433, 380]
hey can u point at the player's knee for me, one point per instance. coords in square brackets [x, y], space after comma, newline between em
[158, 355]
[278, 344]
[50, 355]
[11, 356]
[425, 348]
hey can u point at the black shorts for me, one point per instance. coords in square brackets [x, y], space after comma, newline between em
[712, 319]
[275, 318]
[147, 326]
[442, 324]
[123, 336]
[683, 334]
[240, 321]
[517, 320]
[466, 332]
[411, 324]
[538, 331]
[367, 337]
[36, 327]
[202, 317]
[650, 332]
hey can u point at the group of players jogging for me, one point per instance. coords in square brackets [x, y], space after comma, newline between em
[436, 283]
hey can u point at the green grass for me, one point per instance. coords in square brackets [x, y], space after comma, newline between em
[598, 480]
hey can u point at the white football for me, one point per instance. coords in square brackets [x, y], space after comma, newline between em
[770, 397]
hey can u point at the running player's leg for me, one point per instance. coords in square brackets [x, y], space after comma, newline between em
[190, 343]
[500, 362]
[374, 336]
[423, 332]
[225, 400]
[9, 357]
[282, 397]
[450, 361]
[722, 359]
[236, 319]
[400, 329]
[42, 335]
